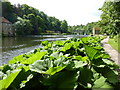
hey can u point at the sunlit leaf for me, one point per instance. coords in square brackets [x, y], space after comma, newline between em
[5, 83]
[67, 47]
[36, 56]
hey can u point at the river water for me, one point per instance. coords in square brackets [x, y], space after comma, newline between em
[14, 46]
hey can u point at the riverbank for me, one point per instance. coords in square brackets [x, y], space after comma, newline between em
[112, 52]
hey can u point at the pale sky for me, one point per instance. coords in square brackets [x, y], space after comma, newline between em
[75, 12]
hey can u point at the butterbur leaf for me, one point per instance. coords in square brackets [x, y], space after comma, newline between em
[59, 61]
[67, 47]
[111, 76]
[99, 82]
[107, 86]
[53, 70]
[60, 43]
[18, 58]
[85, 58]
[105, 56]
[26, 68]
[79, 64]
[5, 83]
[44, 43]
[85, 40]
[76, 44]
[36, 56]
[78, 57]
[55, 55]
[108, 62]
[86, 76]
[45, 67]
[41, 66]
[62, 80]
[91, 52]
[75, 65]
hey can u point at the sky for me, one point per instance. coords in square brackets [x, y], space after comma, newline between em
[75, 12]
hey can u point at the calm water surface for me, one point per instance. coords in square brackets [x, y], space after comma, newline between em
[14, 46]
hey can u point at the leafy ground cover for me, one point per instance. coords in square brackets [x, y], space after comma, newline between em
[114, 42]
[72, 64]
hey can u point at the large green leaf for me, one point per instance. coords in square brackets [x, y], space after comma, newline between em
[60, 43]
[67, 47]
[55, 55]
[109, 74]
[18, 58]
[41, 66]
[62, 80]
[86, 76]
[91, 52]
[45, 67]
[73, 65]
[36, 56]
[107, 86]
[99, 82]
[22, 76]
[61, 61]
[85, 40]
[78, 58]
[76, 44]
[44, 43]
[5, 83]
[53, 70]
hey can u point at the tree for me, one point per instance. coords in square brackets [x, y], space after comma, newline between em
[23, 27]
[64, 26]
[110, 18]
[8, 11]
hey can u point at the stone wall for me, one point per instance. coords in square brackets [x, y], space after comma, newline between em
[7, 29]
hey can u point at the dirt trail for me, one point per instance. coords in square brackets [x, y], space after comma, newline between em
[115, 56]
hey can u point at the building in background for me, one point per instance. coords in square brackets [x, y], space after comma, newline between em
[7, 27]
[96, 30]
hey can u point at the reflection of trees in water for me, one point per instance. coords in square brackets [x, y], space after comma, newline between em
[11, 43]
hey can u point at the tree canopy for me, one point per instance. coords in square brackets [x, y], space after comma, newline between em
[110, 18]
[36, 21]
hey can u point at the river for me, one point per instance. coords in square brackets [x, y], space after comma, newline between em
[14, 46]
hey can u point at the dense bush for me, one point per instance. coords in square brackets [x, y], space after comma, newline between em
[71, 64]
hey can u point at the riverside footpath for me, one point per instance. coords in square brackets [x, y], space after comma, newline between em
[115, 56]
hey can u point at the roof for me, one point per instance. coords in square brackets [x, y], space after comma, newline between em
[97, 28]
[4, 20]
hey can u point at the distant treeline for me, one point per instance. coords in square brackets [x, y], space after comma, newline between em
[30, 21]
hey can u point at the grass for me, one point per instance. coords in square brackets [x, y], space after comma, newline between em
[115, 43]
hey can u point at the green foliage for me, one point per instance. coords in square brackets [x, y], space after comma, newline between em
[110, 18]
[83, 29]
[8, 11]
[72, 64]
[5, 83]
[24, 59]
[30, 21]
[64, 26]
[23, 27]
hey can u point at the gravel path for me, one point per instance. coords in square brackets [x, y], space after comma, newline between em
[115, 56]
